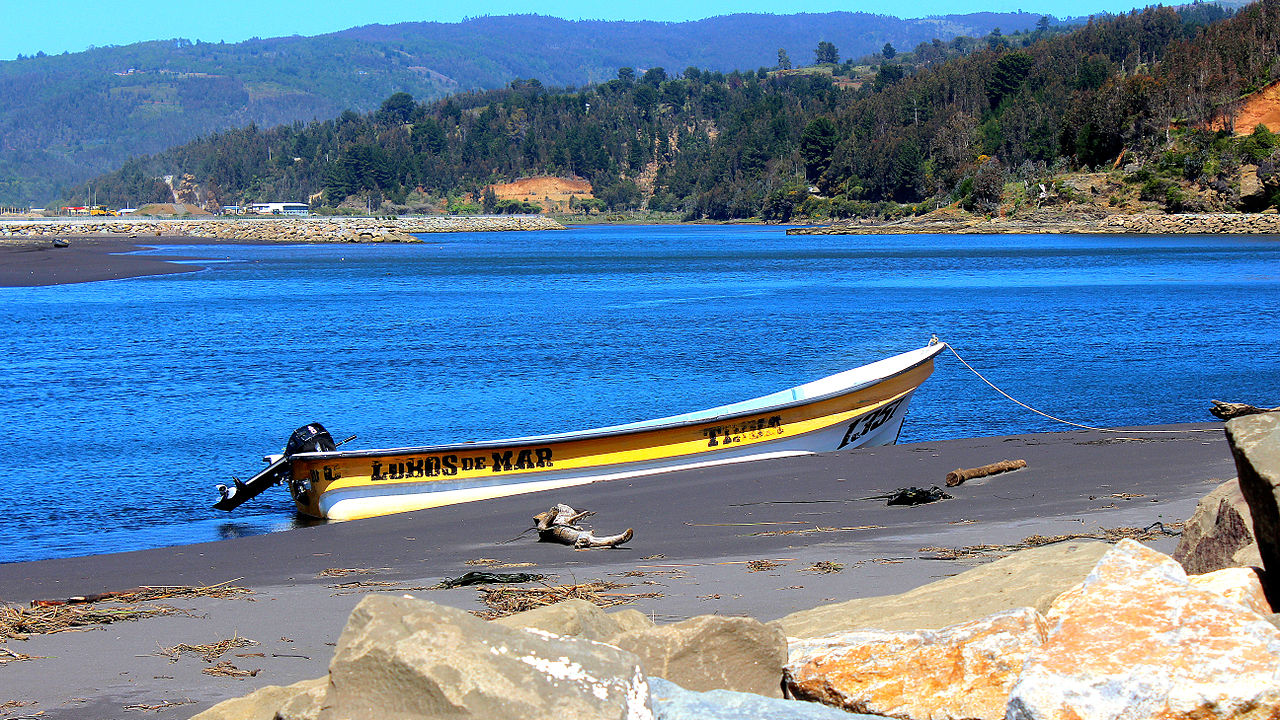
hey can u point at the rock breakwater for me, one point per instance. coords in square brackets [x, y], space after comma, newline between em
[294, 229]
[1053, 223]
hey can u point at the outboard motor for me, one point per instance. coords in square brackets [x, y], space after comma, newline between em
[311, 437]
[306, 439]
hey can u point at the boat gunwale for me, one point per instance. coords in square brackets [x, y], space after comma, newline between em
[626, 429]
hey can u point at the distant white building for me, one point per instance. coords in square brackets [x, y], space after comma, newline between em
[280, 208]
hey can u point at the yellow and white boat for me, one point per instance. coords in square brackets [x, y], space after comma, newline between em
[864, 406]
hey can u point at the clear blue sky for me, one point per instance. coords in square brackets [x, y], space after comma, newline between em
[28, 26]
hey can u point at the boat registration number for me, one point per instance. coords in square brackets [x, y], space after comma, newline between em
[865, 424]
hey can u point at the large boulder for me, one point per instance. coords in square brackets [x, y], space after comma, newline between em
[1030, 578]
[1138, 640]
[963, 671]
[672, 702]
[400, 658]
[1219, 533]
[1255, 445]
[711, 652]
[263, 703]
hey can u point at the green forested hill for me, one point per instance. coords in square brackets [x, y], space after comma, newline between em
[942, 123]
[66, 118]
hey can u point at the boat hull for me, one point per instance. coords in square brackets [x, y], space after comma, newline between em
[357, 484]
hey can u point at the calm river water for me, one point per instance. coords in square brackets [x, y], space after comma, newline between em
[125, 402]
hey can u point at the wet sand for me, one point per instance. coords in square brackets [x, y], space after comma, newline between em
[36, 262]
[695, 531]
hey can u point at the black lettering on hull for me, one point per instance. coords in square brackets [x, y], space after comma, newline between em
[865, 424]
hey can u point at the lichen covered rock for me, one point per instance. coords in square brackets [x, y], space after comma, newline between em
[1138, 640]
[962, 671]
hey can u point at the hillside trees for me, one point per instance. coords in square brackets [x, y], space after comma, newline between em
[730, 145]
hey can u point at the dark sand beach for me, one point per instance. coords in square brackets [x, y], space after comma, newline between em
[31, 262]
[695, 532]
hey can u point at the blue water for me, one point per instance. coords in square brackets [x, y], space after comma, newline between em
[125, 402]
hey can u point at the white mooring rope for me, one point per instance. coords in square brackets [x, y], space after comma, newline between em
[1058, 419]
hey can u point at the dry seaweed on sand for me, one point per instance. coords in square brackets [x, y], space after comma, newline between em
[5, 707]
[503, 601]
[8, 656]
[343, 572]
[817, 529]
[358, 587]
[210, 651]
[1111, 535]
[762, 565]
[361, 584]
[160, 706]
[225, 669]
[147, 593]
[19, 622]
[824, 567]
[496, 564]
[673, 573]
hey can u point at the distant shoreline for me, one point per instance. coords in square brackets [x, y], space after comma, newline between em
[101, 248]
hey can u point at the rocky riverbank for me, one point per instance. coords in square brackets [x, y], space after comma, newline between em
[950, 220]
[292, 229]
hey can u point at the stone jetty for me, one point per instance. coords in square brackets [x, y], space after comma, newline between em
[292, 229]
[1045, 222]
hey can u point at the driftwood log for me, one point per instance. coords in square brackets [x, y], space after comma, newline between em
[959, 475]
[557, 525]
[1226, 410]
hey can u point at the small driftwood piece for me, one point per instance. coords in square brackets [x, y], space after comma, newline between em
[1226, 410]
[959, 475]
[557, 525]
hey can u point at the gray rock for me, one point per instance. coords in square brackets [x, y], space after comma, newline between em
[571, 618]
[1030, 578]
[1255, 444]
[1219, 533]
[672, 702]
[402, 658]
[711, 652]
[263, 703]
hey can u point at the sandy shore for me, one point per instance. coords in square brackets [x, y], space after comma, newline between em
[695, 532]
[34, 262]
